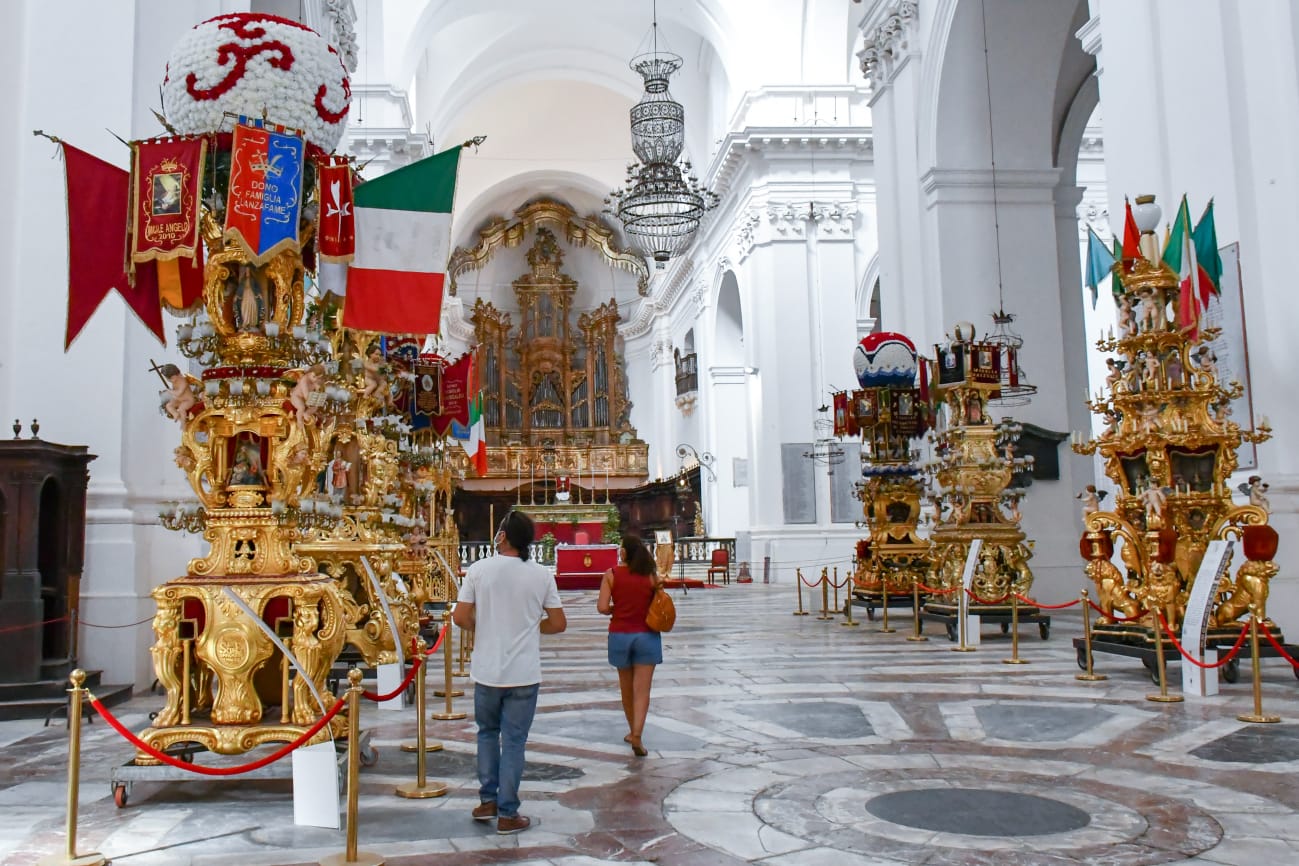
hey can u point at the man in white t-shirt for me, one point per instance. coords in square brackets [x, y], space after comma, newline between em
[508, 603]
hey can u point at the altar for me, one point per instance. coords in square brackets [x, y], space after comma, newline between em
[581, 566]
[570, 523]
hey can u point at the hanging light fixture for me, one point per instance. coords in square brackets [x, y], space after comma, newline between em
[1015, 388]
[661, 202]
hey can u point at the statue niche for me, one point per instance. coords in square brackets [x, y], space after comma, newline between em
[557, 377]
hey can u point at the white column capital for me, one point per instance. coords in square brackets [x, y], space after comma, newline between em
[890, 29]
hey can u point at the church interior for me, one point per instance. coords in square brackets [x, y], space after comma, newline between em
[924, 343]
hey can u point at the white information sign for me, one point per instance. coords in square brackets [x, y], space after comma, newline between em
[1196, 681]
[973, 624]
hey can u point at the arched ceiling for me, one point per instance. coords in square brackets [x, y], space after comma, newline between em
[549, 85]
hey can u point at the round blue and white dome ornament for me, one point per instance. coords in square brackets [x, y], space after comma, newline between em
[885, 359]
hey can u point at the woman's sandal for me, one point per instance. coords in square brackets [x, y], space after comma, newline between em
[637, 749]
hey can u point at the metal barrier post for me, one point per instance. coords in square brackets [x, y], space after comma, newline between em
[449, 714]
[1258, 716]
[885, 628]
[825, 594]
[353, 779]
[70, 856]
[915, 609]
[1088, 676]
[1163, 697]
[798, 578]
[1014, 632]
[420, 789]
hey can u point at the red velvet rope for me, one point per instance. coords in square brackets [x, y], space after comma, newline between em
[1114, 616]
[1047, 606]
[28, 625]
[840, 585]
[932, 591]
[813, 585]
[1277, 644]
[213, 771]
[410, 676]
[1231, 653]
[405, 684]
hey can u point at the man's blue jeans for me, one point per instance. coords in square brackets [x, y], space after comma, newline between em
[504, 717]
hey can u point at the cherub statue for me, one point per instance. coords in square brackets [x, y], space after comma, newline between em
[376, 383]
[1112, 419]
[1256, 490]
[1155, 500]
[1151, 313]
[417, 542]
[311, 380]
[1149, 371]
[1206, 366]
[1127, 317]
[1114, 378]
[1091, 499]
[180, 393]
[1174, 370]
[1221, 411]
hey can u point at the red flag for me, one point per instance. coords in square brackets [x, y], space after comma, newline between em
[167, 175]
[98, 195]
[924, 380]
[457, 380]
[1131, 238]
[180, 281]
[336, 232]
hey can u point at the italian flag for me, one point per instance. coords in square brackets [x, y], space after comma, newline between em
[1180, 256]
[476, 444]
[403, 241]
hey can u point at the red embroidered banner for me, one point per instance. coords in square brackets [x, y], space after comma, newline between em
[456, 382]
[167, 186]
[98, 193]
[336, 230]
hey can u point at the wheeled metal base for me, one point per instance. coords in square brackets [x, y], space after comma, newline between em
[123, 777]
[874, 601]
[1146, 653]
[949, 615]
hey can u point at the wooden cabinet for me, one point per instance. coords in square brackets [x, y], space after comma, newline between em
[42, 545]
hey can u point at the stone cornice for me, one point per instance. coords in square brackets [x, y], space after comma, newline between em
[889, 30]
[779, 143]
[1089, 35]
[975, 186]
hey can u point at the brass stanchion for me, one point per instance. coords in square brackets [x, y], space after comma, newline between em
[1258, 716]
[1163, 697]
[825, 594]
[1014, 632]
[915, 609]
[885, 628]
[1088, 676]
[836, 588]
[429, 745]
[353, 779]
[962, 621]
[462, 656]
[186, 650]
[420, 789]
[798, 578]
[447, 691]
[70, 856]
[284, 687]
[847, 609]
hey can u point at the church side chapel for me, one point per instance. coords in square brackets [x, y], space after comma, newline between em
[937, 351]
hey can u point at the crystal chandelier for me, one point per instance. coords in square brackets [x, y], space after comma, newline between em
[662, 201]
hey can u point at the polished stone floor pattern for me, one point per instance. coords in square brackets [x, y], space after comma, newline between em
[773, 739]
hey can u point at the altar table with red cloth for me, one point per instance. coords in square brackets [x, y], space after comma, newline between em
[581, 566]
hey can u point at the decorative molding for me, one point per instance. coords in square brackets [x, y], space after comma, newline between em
[728, 375]
[664, 299]
[974, 186]
[1089, 35]
[826, 144]
[686, 402]
[578, 231]
[746, 233]
[888, 42]
[660, 351]
[699, 299]
[790, 219]
[342, 17]
[1096, 214]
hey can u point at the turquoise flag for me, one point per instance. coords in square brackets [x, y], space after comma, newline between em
[1100, 261]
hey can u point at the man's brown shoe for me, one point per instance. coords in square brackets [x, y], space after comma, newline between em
[506, 826]
[484, 812]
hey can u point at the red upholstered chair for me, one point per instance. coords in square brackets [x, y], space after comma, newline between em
[721, 564]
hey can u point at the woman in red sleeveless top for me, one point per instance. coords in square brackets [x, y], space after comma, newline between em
[634, 650]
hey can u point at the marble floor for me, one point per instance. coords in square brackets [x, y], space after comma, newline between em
[773, 739]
